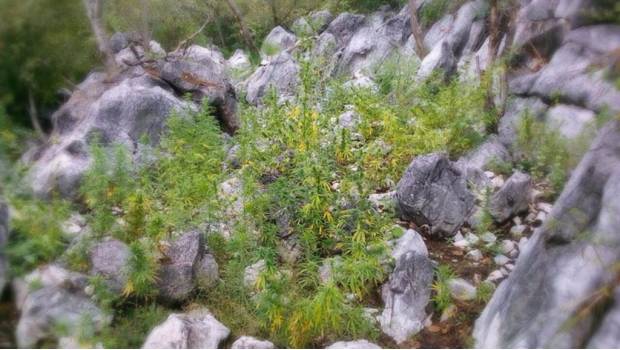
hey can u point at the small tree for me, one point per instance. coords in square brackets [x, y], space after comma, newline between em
[94, 12]
[247, 35]
[416, 30]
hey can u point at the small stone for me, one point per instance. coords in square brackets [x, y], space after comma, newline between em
[504, 271]
[501, 260]
[508, 246]
[462, 290]
[458, 237]
[463, 244]
[546, 207]
[517, 231]
[472, 238]
[541, 217]
[536, 195]
[356, 344]
[252, 273]
[489, 174]
[497, 182]
[495, 276]
[531, 217]
[488, 237]
[246, 342]
[510, 267]
[516, 220]
[448, 313]
[475, 255]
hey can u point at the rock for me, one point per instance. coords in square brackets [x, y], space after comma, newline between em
[440, 58]
[410, 241]
[197, 329]
[462, 290]
[474, 255]
[495, 276]
[108, 259]
[55, 296]
[201, 72]
[517, 231]
[239, 65]
[433, 191]
[501, 260]
[383, 201]
[405, 296]
[230, 194]
[558, 260]
[356, 344]
[508, 246]
[344, 26]
[280, 73]
[512, 198]
[438, 31]
[246, 342]
[361, 82]
[545, 207]
[302, 28]
[516, 109]
[207, 272]
[487, 154]
[4, 238]
[325, 49]
[488, 237]
[570, 121]
[569, 76]
[349, 120]
[74, 226]
[120, 112]
[252, 273]
[319, 20]
[326, 271]
[278, 40]
[184, 264]
[371, 44]
[448, 313]
[118, 41]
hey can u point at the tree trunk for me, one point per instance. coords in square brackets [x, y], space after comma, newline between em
[416, 30]
[494, 33]
[93, 11]
[247, 36]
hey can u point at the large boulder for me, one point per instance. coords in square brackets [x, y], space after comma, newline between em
[570, 121]
[278, 40]
[405, 296]
[434, 191]
[344, 26]
[517, 109]
[184, 265]
[197, 329]
[567, 266]
[120, 111]
[575, 76]
[280, 73]
[202, 73]
[52, 296]
[372, 44]
[4, 238]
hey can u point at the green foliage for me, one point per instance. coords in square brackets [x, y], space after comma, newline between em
[442, 298]
[484, 292]
[546, 154]
[604, 11]
[37, 236]
[131, 326]
[141, 269]
[433, 10]
[102, 293]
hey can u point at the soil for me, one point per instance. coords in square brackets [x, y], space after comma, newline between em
[8, 321]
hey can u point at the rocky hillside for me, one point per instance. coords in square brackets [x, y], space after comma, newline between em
[344, 193]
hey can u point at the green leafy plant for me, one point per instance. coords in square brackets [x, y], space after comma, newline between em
[442, 298]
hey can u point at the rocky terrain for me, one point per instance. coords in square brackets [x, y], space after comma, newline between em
[464, 244]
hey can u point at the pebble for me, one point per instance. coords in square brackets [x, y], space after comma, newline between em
[489, 174]
[517, 220]
[462, 244]
[497, 182]
[462, 290]
[448, 313]
[546, 207]
[488, 237]
[541, 217]
[475, 255]
[536, 195]
[472, 238]
[494, 276]
[510, 267]
[508, 246]
[517, 231]
[501, 260]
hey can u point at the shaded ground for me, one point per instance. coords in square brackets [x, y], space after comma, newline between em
[8, 321]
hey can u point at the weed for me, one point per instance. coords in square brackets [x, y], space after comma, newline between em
[442, 298]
